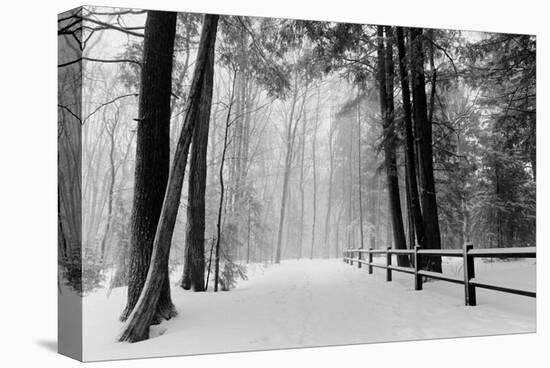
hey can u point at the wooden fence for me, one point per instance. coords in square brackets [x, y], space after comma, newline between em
[468, 253]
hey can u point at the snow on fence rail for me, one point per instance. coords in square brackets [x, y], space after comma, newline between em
[468, 253]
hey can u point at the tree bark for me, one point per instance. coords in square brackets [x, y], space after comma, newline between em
[378, 216]
[152, 158]
[410, 219]
[434, 77]
[410, 160]
[386, 75]
[425, 152]
[194, 266]
[360, 184]
[197, 112]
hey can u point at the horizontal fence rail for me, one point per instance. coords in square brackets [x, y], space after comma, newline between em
[468, 254]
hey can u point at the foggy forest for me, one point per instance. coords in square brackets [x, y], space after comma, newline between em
[197, 152]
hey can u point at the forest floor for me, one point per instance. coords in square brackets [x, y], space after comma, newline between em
[316, 303]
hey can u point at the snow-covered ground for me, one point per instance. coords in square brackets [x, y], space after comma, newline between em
[315, 303]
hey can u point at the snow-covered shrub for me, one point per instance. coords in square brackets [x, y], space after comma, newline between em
[72, 269]
[83, 273]
[92, 271]
[230, 273]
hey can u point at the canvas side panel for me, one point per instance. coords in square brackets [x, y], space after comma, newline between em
[69, 225]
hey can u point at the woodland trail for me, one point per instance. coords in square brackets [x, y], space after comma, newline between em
[312, 303]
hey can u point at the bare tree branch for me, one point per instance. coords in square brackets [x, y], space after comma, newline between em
[108, 103]
[110, 26]
[70, 112]
[122, 12]
[100, 61]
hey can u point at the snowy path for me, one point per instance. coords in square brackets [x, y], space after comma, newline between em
[313, 303]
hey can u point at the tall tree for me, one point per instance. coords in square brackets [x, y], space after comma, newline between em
[152, 158]
[425, 151]
[302, 184]
[314, 171]
[359, 169]
[222, 185]
[193, 269]
[291, 127]
[410, 163]
[330, 183]
[197, 112]
[349, 148]
[111, 130]
[385, 79]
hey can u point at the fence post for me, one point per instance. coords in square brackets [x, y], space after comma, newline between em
[388, 264]
[359, 253]
[351, 257]
[469, 273]
[417, 267]
[370, 260]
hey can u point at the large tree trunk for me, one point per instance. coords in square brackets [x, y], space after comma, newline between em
[193, 270]
[386, 74]
[434, 76]
[152, 158]
[410, 220]
[424, 137]
[532, 149]
[410, 163]
[197, 112]
[360, 184]
[378, 215]
[389, 230]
